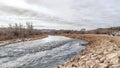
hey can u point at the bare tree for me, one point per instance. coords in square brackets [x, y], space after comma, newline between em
[10, 26]
[29, 28]
[29, 25]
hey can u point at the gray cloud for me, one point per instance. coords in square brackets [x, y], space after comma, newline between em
[66, 14]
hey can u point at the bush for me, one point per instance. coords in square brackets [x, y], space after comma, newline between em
[17, 31]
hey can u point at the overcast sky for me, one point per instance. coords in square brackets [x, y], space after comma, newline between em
[61, 14]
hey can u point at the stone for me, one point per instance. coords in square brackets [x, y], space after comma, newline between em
[112, 55]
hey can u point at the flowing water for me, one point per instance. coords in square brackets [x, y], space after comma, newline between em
[42, 53]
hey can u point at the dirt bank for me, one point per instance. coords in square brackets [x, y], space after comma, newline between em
[103, 51]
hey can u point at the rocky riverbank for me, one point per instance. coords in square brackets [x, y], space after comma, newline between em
[102, 52]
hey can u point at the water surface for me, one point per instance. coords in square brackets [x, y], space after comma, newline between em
[42, 53]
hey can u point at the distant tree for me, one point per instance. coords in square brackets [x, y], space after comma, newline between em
[29, 25]
[29, 28]
[16, 26]
[10, 26]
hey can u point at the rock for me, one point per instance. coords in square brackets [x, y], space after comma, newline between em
[114, 60]
[102, 59]
[112, 55]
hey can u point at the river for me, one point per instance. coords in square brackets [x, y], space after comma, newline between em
[42, 53]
